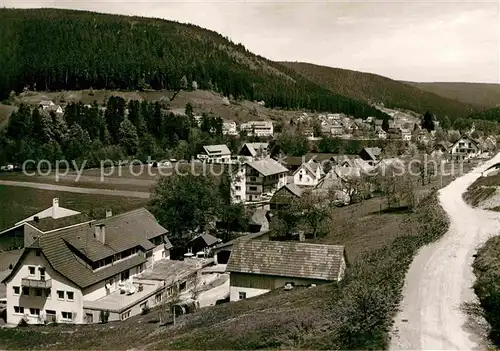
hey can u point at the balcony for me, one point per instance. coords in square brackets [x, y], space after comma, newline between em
[43, 283]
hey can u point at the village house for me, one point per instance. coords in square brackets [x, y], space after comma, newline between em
[370, 154]
[222, 252]
[308, 174]
[50, 106]
[464, 148]
[258, 128]
[336, 129]
[405, 134]
[253, 151]
[215, 154]
[381, 134]
[202, 243]
[292, 163]
[71, 275]
[259, 178]
[229, 128]
[284, 196]
[259, 266]
[441, 150]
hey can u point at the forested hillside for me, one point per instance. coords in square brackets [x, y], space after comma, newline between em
[375, 88]
[50, 49]
[484, 94]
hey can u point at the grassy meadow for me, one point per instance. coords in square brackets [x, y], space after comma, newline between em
[20, 202]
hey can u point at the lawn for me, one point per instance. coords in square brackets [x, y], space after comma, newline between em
[355, 314]
[20, 202]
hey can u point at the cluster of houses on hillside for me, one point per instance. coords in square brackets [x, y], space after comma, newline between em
[69, 268]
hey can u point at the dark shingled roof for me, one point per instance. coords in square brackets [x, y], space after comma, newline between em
[286, 259]
[207, 238]
[122, 232]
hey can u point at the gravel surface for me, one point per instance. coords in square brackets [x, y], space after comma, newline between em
[440, 279]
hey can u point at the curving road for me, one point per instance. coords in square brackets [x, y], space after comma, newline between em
[71, 189]
[440, 278]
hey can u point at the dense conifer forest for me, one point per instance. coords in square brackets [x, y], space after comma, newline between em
[48, 49]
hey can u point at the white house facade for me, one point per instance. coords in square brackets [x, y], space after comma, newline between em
[464, 148]
[308, 174]
[65, 276]
[258, 128]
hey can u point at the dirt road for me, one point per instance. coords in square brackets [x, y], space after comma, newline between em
[72, 189]
[440, 278]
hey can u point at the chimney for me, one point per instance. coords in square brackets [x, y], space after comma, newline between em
[55, 207]
[100, 232]
[109, 213]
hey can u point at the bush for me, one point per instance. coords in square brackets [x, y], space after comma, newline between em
[145, 310]
[23, 322]
[104, 316]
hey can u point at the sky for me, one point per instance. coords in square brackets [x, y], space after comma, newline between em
[425, 41]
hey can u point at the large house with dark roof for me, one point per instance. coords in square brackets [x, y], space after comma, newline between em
[253, 151]
[259, 266]
[62, 270]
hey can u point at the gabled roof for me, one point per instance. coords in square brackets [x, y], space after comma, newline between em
[267, 167]
[213, 150]
[312, 168]
[465, 136]
[207, 238]
[254, 147]
[286, 192]
[287, 259]
[122, 232]
[373, 152]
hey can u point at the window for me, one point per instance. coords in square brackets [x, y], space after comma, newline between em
[238, 197]
[35, 311]
[125, 275]
[238, 187]
[60, 294]
[67, 315]
[70, 295]
[47, 293]
[253, 179]
[242, 295]
[158, 298]
[42, 273]
[37, 252]
[125, 315]
[26, 291]
[31, 270]
[18, 309]
[143, 305]
[17, 290]
[253, 188]
[38, 292]
[182, 286]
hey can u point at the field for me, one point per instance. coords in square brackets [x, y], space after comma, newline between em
[202, 101]
[20, 202]
[329, 316]
[5, 112]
